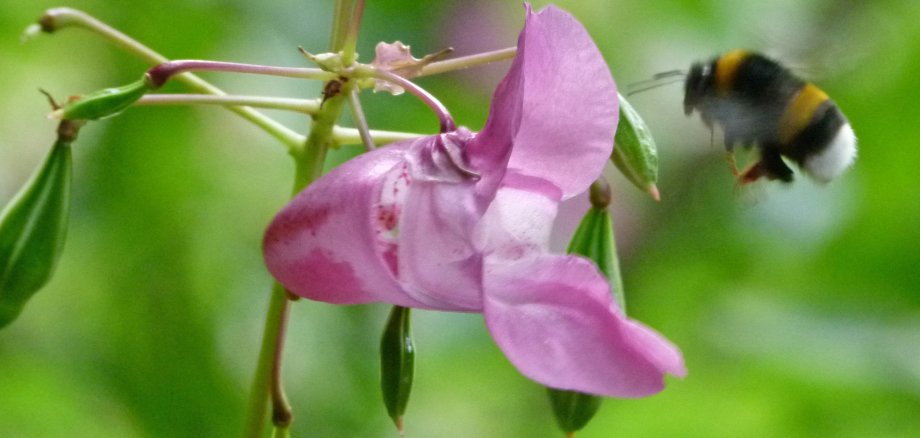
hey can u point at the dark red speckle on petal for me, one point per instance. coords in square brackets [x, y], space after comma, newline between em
[387, 217]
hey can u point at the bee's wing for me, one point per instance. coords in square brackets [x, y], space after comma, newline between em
[836, 39]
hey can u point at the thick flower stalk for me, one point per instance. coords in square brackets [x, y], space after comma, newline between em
[461, 222]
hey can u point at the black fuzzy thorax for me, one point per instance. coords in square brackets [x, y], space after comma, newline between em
[750, 111]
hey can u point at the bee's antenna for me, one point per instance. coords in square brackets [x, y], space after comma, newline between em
[658, 80]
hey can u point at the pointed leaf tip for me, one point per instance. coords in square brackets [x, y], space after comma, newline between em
[653, 192]
[635, 154]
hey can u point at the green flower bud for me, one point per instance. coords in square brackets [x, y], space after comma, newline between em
[397, 357]
[635, 154]
[103, 103]
[573, 410]
[33, 226]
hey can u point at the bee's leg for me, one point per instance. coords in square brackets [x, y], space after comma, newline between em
[774, 166]
[770, 166]
[732, 163]
[752, 173]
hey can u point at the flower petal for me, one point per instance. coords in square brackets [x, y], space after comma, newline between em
[438, 263]
[325, 244]
[490, 150]
[569, 101]
[519, 221]
[555, 320]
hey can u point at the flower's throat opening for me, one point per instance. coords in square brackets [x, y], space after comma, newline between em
[451, 144]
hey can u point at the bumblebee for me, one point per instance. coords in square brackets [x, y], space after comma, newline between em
[758, 102]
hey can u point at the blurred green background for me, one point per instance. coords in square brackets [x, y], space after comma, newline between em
[797, 307]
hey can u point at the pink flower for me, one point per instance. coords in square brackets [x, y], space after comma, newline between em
[461, 222]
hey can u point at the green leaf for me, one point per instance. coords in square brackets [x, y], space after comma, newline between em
[397, 357]
[573, 409]
[32, 231]
[103, 103]
[635, 153]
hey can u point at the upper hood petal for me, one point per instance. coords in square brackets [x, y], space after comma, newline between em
[558, 102]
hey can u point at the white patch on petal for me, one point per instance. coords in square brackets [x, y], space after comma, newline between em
[835, 158]
[387, 211]
[517, 224]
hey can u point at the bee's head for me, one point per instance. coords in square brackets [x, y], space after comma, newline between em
[698, 83]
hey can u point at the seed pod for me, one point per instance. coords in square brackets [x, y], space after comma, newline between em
[33, 226]
[397, 357]
[103, 103]
[573, 410]
[635, 153]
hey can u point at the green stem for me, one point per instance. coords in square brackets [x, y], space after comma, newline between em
[349, 46]
[310, 160]
[309, 166]
[267, 378]
[261, 383]
[465, 62]
[340, 19]
[158, 75]
[306, 106]
[281, 433]
[343, 136]
[340, 135]
[61, 18]
[357, 113]
[282, 415]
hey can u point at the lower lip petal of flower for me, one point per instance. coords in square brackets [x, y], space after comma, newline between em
[555, 320]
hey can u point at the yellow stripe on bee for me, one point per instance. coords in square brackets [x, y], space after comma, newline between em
[727, 68]
[799, 112]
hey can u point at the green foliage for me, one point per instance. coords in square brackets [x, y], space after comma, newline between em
[796, 313]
